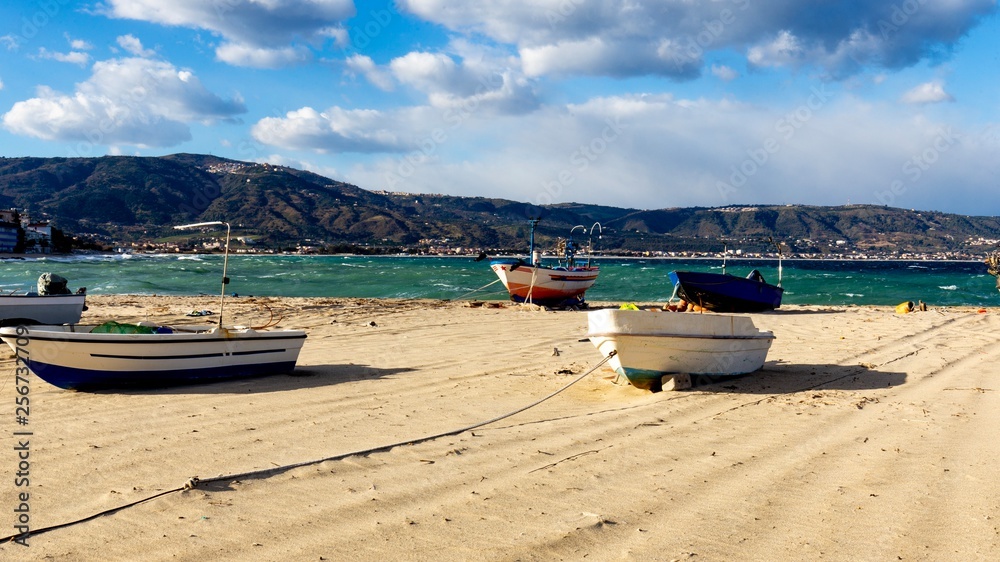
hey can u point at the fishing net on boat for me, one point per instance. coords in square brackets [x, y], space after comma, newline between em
[113, 327]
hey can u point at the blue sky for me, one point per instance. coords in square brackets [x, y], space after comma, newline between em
[649, 105]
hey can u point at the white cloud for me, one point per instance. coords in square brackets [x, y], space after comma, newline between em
[484, 86]
[133, 46]
[723, 72]
[12, 42]
[79, 44]
[783, 50]
[131, 101]
[263, 33]
[72, 57]
[361, 64]
[334, 130]
[611, 57]
[928, 92]
[241, 54]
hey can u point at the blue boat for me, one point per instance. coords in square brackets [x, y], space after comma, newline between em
[722, 292]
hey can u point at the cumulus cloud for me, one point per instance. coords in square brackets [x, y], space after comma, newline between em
[618, 58]
[133, 46]
[482, 86]
[259, 33]
[72, 57]
[364, 65]
[670, 38]
[928, 92]
[723, 72]
[333, 130]
[132, 101]
[79, 44]
[240, 54]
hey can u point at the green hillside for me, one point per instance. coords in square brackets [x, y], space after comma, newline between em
[127, 198]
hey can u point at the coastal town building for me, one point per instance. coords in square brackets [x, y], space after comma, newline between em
[8, 236]
[38, 238]
[18, 233]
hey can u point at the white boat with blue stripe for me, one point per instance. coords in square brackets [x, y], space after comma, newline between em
[112, 355]
[78, 358]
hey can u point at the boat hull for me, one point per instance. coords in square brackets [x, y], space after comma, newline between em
[720, 292]
[548, 286]
[72, 358]
[650, 346]
[41, 309]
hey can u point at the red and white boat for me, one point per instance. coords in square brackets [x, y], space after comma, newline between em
[563, 284]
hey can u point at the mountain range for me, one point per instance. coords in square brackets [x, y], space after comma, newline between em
[118, 199]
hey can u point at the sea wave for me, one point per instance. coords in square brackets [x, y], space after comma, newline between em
[806, 282]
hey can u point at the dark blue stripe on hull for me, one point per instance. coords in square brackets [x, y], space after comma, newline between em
[72, 378]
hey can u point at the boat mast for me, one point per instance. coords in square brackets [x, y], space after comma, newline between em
[778, 246]
[225, 258]
[531, 241]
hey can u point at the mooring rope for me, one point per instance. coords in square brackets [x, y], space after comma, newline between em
[476, 290]
[531, 287]
[194, 481]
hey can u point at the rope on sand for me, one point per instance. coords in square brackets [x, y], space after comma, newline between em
[475, 290]
[194, 481]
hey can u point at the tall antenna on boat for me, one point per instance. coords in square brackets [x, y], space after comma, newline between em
[225, 259]
[600, 231]
[725, 252]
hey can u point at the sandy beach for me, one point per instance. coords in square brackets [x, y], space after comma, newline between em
[868, 435]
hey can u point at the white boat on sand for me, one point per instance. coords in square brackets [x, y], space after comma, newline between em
[654, 348]
[116, 355]
[53, 303]
[78, 358]
[41, 309]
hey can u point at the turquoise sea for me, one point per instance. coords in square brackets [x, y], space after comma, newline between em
[937, 283]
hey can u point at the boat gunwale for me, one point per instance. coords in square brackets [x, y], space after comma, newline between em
[146, 339]
[72, 296]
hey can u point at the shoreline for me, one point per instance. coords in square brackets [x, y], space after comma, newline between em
[42, 257]
[169, 300]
